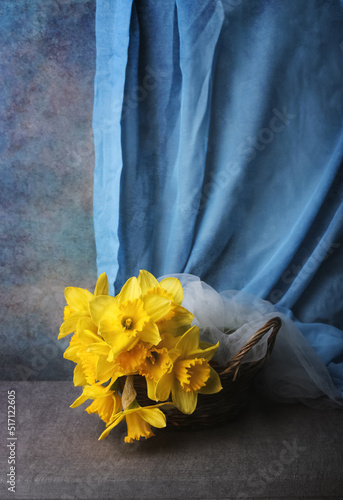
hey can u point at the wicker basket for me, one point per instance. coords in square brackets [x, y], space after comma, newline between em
[236, 378]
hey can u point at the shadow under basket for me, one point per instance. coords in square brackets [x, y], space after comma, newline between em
[236, 378]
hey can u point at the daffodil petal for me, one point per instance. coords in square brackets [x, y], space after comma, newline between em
[79, 401]
[77, 298]
[189, 341]
[184, 401]
[114, 339]
[87, 337]
[181, 317]
[105, 407]
[146, 281]
[110, 356]
[99, 348]
[153, 416]
[122, 343]
[168, 341]
[104, 370]
[96, 391]
[108, 326]
[79, 378]
[131, 290]
[174, 287]
[71, 353]
[164, 386]
[204, 345]
[156, 306]
[117, 419]
[150, 333]
[151, 389]
[69, 325]
[101, 306]
[117, 406]
[101, 285]
[207, 353]
[213, 383]
[85, 323]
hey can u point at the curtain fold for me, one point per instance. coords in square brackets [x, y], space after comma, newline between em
[112, 41]
[218, 137]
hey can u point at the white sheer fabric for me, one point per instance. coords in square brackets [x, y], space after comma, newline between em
[293, 373]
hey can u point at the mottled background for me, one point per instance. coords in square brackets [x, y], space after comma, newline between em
[47, 163]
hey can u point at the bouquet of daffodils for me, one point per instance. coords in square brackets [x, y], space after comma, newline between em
[143, 331]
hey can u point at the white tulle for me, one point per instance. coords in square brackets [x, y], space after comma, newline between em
[293, 373]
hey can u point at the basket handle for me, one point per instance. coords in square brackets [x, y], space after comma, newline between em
[275, 324]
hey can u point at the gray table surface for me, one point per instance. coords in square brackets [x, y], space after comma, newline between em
[271, 451]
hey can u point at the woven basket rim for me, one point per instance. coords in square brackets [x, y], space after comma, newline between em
[233, 365]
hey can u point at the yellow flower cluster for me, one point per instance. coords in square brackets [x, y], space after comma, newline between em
[144, 331]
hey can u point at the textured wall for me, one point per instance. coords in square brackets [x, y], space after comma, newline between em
[47, 68]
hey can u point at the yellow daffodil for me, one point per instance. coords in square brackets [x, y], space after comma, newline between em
[128, 318]
[129, 362]
[171, 289]
[86, 362]
[138, 421]
[155, 365]
[126, 363]
[106, 404]
[104, 369]
[78, 304]
[190, 373]
[168, 341]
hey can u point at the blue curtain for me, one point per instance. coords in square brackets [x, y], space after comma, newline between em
[219, 142]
